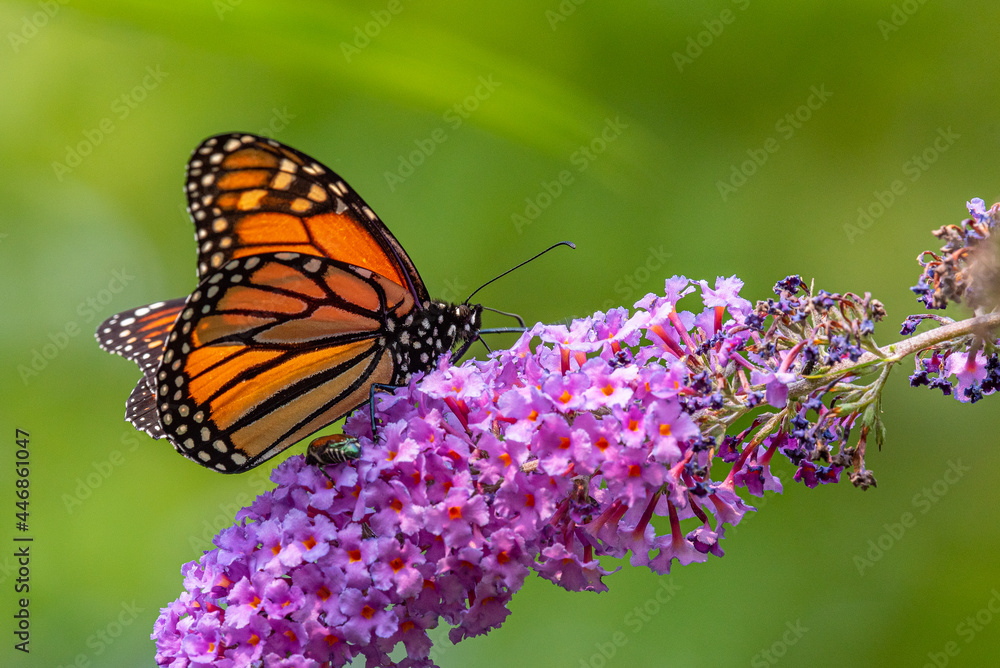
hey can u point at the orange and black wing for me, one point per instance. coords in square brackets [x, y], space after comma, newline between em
[138, 335]
[270, 348]
[250, 195]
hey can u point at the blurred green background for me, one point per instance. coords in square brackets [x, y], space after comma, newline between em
[685, 93]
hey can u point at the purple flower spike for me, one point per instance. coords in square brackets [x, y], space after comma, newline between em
[543, 458]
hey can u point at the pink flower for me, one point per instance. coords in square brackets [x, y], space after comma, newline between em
[545, 458]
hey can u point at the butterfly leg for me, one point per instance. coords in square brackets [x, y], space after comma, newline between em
[371, 403]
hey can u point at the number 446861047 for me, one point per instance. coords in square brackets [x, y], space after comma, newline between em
[23, 471]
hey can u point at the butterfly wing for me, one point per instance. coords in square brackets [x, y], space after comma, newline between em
[138, 335]
[140, 409]
[269, 349]
[251, 195]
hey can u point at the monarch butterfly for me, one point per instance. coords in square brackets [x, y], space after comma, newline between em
[305, 302]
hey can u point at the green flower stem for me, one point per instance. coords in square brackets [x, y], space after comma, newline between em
[887, 356]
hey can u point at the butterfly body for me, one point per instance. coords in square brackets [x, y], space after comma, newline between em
[420, 338]
[305, 301]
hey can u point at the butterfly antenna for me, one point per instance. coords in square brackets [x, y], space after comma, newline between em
[561, 243]
[519, 319]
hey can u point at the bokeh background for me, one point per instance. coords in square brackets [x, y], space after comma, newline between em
[102, 103]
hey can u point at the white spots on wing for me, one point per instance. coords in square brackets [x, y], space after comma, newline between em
[282, 180]
[316, 193]
[300, 205]
[314, 169]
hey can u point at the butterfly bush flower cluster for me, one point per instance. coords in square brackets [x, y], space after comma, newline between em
[965, 270]
[626, 434]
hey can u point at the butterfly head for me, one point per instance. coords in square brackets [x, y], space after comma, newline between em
[469, 318]
[424, 335]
